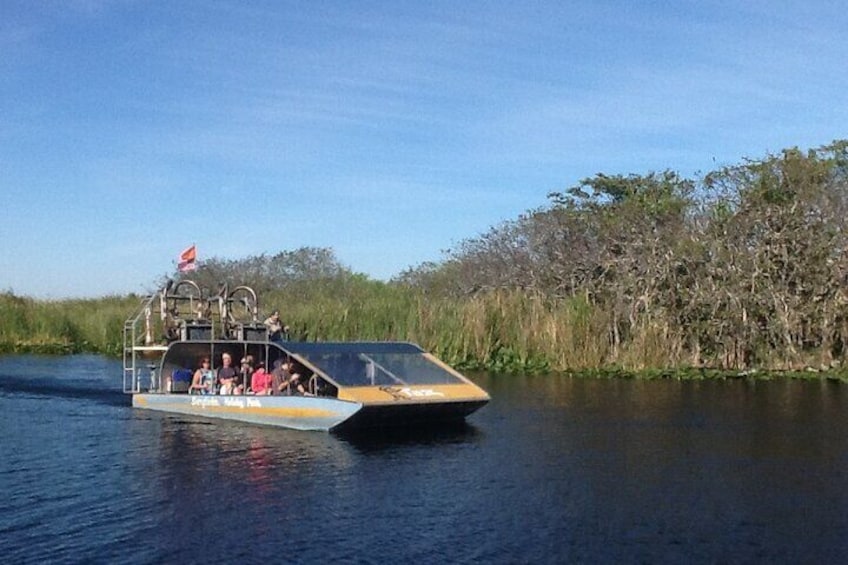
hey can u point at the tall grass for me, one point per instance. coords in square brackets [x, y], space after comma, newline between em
[505, 331]
[63, 326]
[502, 331]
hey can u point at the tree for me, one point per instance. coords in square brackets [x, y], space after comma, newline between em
[265, 273]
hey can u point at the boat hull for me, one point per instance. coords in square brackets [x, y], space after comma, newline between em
[295, 412]
[411, 414]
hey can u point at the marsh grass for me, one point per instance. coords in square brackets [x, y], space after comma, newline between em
[506, 331]
[63, 326]
[499, 331]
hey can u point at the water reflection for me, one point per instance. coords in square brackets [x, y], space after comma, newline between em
[243, 453]
[376, 440]
[260, 464]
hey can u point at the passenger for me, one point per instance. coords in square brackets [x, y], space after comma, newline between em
[282, 377]
[296, 387]
[278, 376]
[275, 326]
[227, 375]
[246, 371]
[292, 381]
[203, 381]
[261, 382]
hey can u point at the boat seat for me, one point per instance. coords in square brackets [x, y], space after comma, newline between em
[180, 380]
[197, 331]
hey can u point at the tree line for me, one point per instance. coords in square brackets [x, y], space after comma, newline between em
[744, 267]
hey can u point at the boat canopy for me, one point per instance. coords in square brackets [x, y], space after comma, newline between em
[353, 364]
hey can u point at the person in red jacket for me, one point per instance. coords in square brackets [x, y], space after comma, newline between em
[261, 382]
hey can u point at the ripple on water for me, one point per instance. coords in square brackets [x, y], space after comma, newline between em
[554, 470]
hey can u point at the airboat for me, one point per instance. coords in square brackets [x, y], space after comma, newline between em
[344, 384]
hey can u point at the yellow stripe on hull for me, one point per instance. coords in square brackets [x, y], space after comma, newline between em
[371, 395]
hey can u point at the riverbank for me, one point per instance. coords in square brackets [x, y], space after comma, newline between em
[501, 332]
[696, 374]
[40, 348]
[680, 374]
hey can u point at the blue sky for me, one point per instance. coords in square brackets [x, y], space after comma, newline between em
[388, 131]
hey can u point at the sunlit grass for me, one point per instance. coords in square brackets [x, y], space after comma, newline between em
[63, 326]
[506, 331]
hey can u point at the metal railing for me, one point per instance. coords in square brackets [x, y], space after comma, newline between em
[136, 337]
[152, 327]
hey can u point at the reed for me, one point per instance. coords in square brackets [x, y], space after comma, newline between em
[501, 331]
[504, 331]
[63, 326]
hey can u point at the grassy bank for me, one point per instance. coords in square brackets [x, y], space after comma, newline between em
[501, 331]
[512, 331]
[63, 326]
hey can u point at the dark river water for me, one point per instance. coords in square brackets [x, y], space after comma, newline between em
[553, 470]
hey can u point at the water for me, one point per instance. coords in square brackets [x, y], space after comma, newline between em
[553, 470]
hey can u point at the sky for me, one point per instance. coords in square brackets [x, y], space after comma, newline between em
[388, 131]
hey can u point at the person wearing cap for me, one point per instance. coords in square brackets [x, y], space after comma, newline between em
[245, 372]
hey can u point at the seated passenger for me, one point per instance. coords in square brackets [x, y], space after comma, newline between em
[292, 381]
[296, 385]
[261, 382]
[227, 375]
[278, 376]
[203, 381]
[245, 370]
[282, 377]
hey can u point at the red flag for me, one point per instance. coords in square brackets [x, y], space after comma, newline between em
[187, 259]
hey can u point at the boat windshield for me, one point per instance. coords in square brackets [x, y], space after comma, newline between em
[374, 364]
